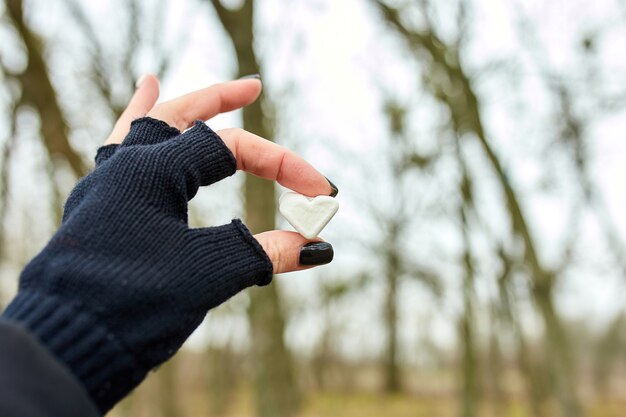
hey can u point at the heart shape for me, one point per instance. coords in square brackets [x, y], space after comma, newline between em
[307, 215]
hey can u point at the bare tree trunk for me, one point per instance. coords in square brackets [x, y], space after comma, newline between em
[497, 393]
[560, 353]
[5, 160]
[469, 389]
[392, 371]
[470, 392]
[465, 117]
[536, 385]
[222, 375]
[277, 394]
[37, 91]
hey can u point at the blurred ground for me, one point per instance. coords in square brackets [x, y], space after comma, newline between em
[356, 393]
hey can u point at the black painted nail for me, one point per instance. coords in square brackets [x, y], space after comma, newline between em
[251, 77]
[316, 253]
[334, 190]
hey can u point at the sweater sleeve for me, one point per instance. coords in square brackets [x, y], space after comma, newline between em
[33, 383]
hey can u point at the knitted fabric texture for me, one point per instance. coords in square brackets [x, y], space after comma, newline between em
[125, 281]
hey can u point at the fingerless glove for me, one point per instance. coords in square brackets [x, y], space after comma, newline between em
[125, 281]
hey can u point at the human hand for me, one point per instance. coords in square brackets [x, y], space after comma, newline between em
[254, 154]
[125, 281]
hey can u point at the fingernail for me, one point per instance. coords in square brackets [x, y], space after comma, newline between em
[140, 80]
[333, 188]
[316, 253]
[251, 77]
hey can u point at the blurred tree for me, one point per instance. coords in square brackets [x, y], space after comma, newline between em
[327, 369]
[34, 90]
[5, 167]
[578, 106]
[324, 357]
[547, 364]
[167, 387]
[505, 318]
[395, 224]
[38, 92]
[113, 71]
[448, 82]
[275, 386]
[470, 393]
[223, 368]
[494, 359]
[609, 352]
[107, 70]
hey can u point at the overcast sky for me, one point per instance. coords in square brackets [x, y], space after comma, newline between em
[332, 61]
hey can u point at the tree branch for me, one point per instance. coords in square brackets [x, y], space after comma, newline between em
[37, 90]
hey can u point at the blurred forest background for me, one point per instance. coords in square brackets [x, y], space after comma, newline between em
[478, 148]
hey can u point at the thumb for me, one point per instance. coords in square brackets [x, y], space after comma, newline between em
[289, 251]
[140, 104]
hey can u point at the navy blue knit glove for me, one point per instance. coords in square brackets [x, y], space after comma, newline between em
[125, 281]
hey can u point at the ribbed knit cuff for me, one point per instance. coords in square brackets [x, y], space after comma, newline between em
[77, 339]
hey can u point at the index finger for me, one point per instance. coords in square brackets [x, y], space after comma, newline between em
[203, 104]
[268, 160]
[141, 102]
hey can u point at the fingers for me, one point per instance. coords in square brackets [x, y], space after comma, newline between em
[289, 251]
[268, 160]
[140, 104]
[183, 111]
[203, 104]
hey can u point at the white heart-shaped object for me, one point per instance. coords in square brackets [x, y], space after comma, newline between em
[307, 215]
